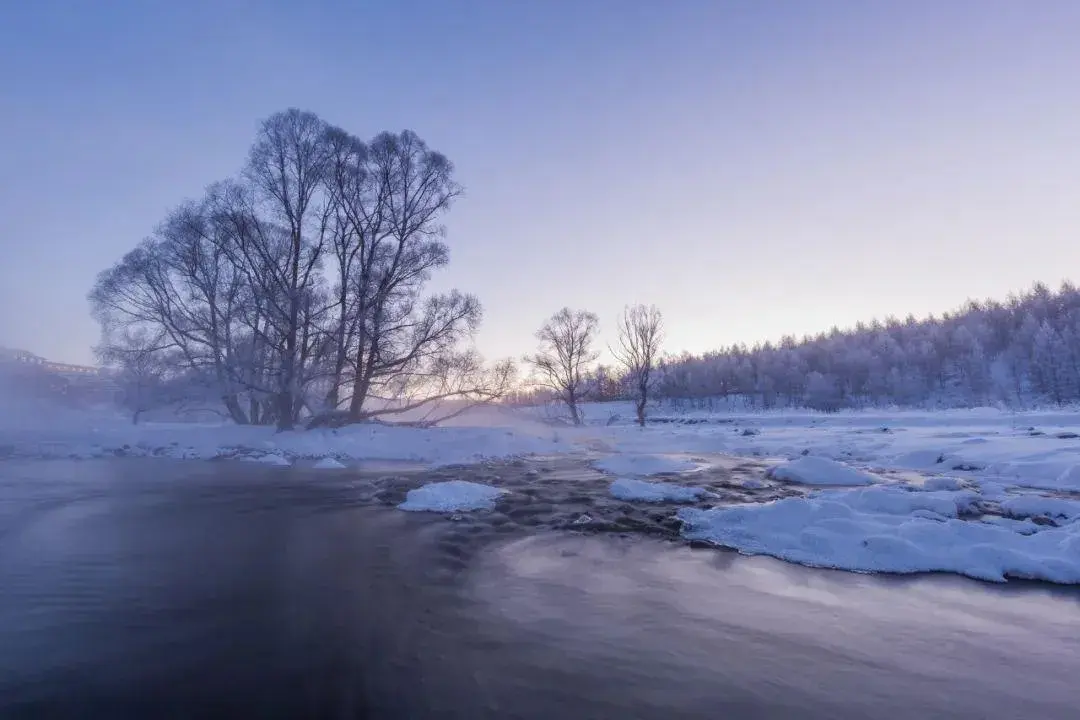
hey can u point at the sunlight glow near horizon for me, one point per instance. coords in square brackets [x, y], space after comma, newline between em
[753, 169]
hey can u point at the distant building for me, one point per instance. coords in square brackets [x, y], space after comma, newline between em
[70, 383]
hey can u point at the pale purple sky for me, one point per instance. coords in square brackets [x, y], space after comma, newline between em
[753, 168]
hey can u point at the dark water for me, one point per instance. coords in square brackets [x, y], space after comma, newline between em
[155, 589]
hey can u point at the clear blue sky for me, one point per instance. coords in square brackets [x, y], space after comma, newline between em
[754, 168]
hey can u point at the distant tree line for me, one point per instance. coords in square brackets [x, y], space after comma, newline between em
[296, 290]
[1019, 353]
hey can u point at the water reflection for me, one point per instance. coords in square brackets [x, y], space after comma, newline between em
[155, 588]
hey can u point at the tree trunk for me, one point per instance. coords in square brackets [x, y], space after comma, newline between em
[285, 411]
[235, 411]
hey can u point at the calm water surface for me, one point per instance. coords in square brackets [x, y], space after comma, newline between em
[145, 588]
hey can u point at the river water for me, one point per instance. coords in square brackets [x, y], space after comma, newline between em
[151, 588]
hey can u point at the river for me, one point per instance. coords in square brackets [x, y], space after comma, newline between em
[154, 588]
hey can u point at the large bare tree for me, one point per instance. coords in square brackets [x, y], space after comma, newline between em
[562, 362]
[287, 167]
[299, 287]
[389, 197]
[641, 330]
[180, 287]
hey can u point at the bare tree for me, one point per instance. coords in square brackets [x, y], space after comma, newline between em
[299, 287]
[562, 361]
[287, 167]
[139, 370]
[172, 287]
[388, 198]
[641, 330]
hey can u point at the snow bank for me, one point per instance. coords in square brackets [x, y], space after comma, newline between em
[329, 463]
[942, 483]
[892, 530]
[812, 470]
[640, 490]
[99, 437]
[643, 465]
[1025, 506]
[451, 496]
[269, 459]
[1035, 449]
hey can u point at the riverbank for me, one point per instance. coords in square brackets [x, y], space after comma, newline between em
[229, 589]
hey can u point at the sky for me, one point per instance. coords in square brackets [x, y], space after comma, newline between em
[754, 168]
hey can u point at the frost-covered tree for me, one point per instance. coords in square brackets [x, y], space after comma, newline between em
[299, 290]
[563, 361]
[1020, 352]
[641, 330]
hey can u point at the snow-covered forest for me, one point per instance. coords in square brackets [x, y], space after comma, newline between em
[1023, 352]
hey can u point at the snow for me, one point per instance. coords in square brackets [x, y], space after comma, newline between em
[978, 446]
[811, 470]
[641, 490]
[270, 459]
[982, 492]
[329, 463]
[644, 465]
[1026, 506]
[93, 436]
[1018, 449]
[942, 483]
[451, 496]
[891, 529]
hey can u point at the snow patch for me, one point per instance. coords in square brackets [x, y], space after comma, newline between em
[269, 459]
[811, 470]
[641, 490]
[890, 529]
[329, 463]
[451, 496]
[643, 465]
[942, 483]
[1026, 506]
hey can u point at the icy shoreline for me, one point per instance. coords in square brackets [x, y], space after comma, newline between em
[980, 493]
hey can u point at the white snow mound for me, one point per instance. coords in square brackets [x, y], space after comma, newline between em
[273, 459]
[890, 529]
[643, 465]
[640, 490]
[451, 496]
[1023, 506]
[329, 463]
[811, 470]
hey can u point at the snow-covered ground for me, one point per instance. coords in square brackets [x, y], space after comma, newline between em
[93, 435]
[1037, 449]
[900, 530]
[631, 489]
[982, 492]
[451, 496]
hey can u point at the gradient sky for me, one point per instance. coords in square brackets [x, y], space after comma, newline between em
[754, 168]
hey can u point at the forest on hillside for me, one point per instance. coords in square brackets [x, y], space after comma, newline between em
[1019, 353]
